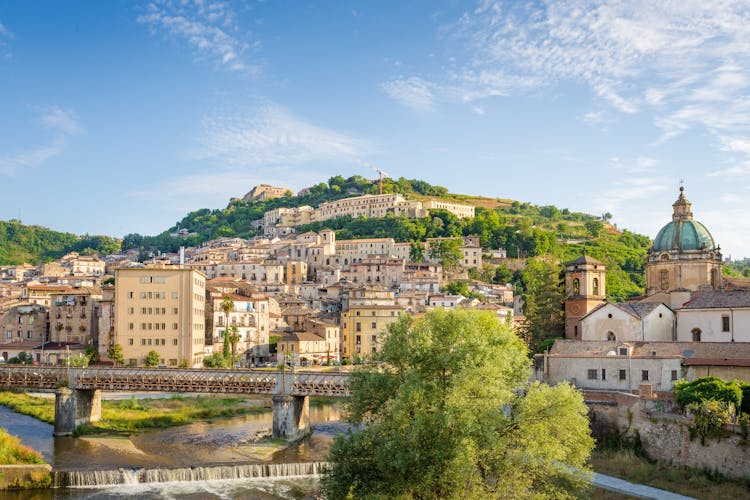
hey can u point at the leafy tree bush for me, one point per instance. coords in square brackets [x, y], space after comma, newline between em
[115, 354]
[745, 405]
[709, 417]
[23, 358]
[79, 361]
[216, 360]
[152, 359]
[707, 388]
[449, 414]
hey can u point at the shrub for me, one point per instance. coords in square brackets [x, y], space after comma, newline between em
[709, 417]
[707, 388]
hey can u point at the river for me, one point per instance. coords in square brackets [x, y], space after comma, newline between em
[220, 442]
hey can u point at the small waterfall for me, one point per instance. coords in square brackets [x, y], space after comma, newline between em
[93, 478]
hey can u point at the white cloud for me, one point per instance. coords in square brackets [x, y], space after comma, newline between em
[4, 31]
[629, 189]
[61, 123]
[10, 165]
[274, 137]
[208, 27]
[412, 92]
[60, 120]
[271, 145]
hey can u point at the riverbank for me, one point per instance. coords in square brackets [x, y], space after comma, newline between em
[22, 467]
[133, 415]
[626, 464]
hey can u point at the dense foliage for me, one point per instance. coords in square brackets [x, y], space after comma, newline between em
[708, 388]
[450, 414]
[21, 244]
[544, 298]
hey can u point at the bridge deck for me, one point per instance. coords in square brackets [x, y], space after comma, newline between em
[300, 383]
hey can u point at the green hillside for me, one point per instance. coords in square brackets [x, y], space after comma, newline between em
[21, 244]
[523, 229]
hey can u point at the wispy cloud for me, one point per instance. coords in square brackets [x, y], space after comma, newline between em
[412, 92]
[5, 35]
[208, 27]
[628, 189]
[274, 136]
[269, 145]
[686, 63]
[61, 123]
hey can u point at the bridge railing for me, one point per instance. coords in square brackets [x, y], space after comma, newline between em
[175, 380]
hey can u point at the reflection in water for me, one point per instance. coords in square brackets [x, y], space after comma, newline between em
[223, 441]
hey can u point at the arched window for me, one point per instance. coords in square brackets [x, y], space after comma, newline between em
[611, 336]
[714, 280]
[576, 286]
[664, 279]
[696, 334]
[596, 286]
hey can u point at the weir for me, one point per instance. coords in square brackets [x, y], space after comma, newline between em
[72, 479]
[78, 396]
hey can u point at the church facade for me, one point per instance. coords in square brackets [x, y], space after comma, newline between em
[690, 322]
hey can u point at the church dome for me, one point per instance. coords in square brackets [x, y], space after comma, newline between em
[683, 233]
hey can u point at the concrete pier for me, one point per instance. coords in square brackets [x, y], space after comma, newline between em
[74, 407]
[291, 417]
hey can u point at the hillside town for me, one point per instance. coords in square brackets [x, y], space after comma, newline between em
[302, 298]
[312, 299]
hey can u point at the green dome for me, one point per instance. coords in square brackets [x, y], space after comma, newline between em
[683, 235]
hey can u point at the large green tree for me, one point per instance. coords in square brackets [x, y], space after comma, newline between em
[450, 414]
[544, 299]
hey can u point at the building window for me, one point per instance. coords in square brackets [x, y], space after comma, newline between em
[696, 334]
[674, 375]
[373, 325]
[358, 327]
[644, 375]
[575, 331]
[611, 336]
[725, 323]
[664, 279]
[623, 375]
[592, 374]
[174, 341]
[595, 288]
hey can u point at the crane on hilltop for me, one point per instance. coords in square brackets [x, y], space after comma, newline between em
[381, 174]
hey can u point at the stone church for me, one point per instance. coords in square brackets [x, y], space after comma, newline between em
[691, 321]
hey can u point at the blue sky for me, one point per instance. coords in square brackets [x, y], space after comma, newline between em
[119, 117]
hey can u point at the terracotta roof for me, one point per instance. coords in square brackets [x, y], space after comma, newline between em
[688, 350]
[732, 283]
[718, 300]
[302, 336]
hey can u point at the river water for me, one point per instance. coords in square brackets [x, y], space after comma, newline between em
[221, 442]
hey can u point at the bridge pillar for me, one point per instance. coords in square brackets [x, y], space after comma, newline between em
[74, 407]
[291, 417]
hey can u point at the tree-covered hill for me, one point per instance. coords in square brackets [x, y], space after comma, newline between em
[21, 244]
[523, 229]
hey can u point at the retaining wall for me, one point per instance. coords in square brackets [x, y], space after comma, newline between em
[20, 476]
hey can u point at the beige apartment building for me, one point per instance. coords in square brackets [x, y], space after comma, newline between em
[363, 328]
[161, 309]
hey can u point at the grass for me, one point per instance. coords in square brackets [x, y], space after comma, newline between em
[132, 415]
[625, 464]
[40, 408]
[12, 452]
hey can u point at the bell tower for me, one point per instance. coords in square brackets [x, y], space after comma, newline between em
[585, 289]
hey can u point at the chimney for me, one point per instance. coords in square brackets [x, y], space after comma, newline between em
[182, 257]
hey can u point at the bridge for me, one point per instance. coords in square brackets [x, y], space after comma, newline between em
[78, 390]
